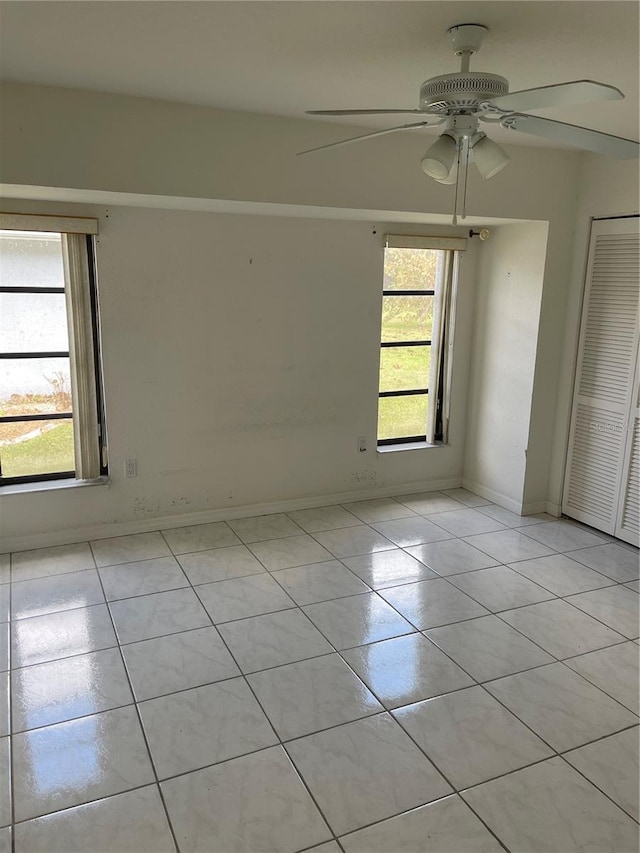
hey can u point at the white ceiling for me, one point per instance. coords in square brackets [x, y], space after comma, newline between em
[285, 57]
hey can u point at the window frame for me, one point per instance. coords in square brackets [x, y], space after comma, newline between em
[445, 287]
[63, 226]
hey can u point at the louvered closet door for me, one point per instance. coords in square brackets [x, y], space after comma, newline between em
[598, 484]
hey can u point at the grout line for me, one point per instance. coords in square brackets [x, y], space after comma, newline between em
[268, 719]
[140, 724]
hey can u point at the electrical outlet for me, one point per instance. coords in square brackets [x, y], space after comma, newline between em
[362, 443]
[130, 468]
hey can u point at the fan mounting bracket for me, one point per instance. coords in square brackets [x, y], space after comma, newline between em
[467, 38]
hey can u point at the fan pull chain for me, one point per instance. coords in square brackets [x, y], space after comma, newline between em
[460, 198]
[455, 197]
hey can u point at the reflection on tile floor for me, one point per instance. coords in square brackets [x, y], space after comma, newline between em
[425, 673]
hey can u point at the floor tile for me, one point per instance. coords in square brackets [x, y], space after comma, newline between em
[177, 662]
[365, 771]
[560, 574]
[242, 597]
[612, 765]
[5, 568]
[5, 784]
[288, 552]
[388, 568]
[379, 509]
[635, 585]
[614, 670]
[427, 503]
[353, 541]
[561, 706]
[130, 579]
[200, 537]
[5, 726]
[133, 821]
[551, 807]
[448, 826]
[262, 527]
[62, 690]
[5, 840]
[615, 606]
[129, 549]
[512, 519]
[428, 604]
[470, 737]
[60, 635]
[26, 565]
[158, 614]
[5, 602]
[561, 629]
[202, 726]
[451, 557]
[616, 562]
[507, 546]
[252, 804]
[406, 669]
[500, 588]
[273, 640]
[324, 518]
[411, 531]
[329, 847]
[311, 695]
[563, 536]
[354, 621]
[220, 565]
[75, 762]
[466, 522]
[319, 582]
[52, 594]
[488, 648]
[465, 497]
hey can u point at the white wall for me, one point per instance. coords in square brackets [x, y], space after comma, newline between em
[159, 280]
[240, 366]
[509, 292]
[606, 188]
[53, 137]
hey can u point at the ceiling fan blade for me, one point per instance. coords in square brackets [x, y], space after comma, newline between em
[574, 92]
[572, 134]
[358, 112]
[369, 135]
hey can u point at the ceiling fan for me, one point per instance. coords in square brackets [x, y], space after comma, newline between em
[463, 99]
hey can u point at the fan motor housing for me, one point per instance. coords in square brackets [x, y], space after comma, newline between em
[460, 91]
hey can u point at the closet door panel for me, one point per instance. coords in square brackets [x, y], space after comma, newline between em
[599, 445]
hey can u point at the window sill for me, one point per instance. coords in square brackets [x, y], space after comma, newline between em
[414, 445]
[52, 485]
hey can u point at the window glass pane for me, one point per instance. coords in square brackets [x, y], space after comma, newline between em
[33, 322]
[411, 269]
[32, 386]
[36, 447]
[404, 368]
[30, 259]
[401, 417]
[407, 318]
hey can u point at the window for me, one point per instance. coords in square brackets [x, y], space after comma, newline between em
[418, 305]
[51, 416]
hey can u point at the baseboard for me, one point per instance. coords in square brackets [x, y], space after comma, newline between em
[553, 509]
[495, 497]
[124, 528]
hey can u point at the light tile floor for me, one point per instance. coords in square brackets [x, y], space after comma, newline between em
[425, 674]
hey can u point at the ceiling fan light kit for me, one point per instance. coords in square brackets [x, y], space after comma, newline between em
[461, 100]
